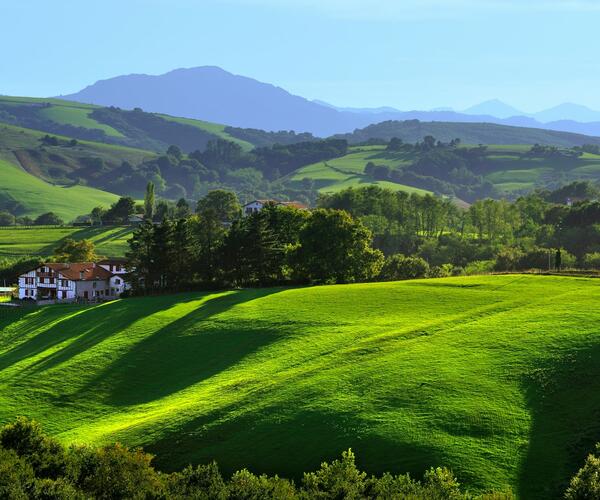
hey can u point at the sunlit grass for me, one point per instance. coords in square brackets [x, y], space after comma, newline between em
[496, 377]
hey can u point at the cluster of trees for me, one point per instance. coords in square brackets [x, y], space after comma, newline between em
[444, 168]
[490, 234]
[221, 164]
[46, 219]
[543, 151]
[36, 466]
[217, 247]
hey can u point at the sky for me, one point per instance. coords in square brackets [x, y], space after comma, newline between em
[410, 54]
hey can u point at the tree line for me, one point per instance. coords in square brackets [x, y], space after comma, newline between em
[35, 466]
[359, 235]
[217, 247]
[489, 234]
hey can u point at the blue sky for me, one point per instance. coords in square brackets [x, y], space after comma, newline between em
[411, 54]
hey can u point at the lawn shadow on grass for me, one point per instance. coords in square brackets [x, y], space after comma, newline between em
[85, 326]
[564, 398]
[89, 233]
[186, 351]
[288, 440]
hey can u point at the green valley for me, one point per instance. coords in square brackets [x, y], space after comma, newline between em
[481, 374]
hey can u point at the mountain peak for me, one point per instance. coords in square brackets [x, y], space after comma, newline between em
[494, 107]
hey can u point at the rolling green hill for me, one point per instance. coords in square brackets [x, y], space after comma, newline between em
[86, 121]
[496, 377]
[470, 133]
[348, 171]
[508, 167]
[28, 195]
[30, 241]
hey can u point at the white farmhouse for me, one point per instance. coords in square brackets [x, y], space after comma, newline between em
[72, 281]
[258, 205]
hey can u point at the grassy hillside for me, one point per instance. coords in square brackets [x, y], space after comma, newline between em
[214, 128]
[510, 170]
[470, 133]
[28, 195]
[22, 241]
[348, 171]
[83, 121]
[508, 167]
[496, 376]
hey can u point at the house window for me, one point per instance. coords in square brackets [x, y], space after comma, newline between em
[94, 284]
[51, 281]
[117, 281]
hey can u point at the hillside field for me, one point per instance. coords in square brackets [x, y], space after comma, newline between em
[26, 194]
[506, 166]
[348, 171]
[496, 377]
[42, 240]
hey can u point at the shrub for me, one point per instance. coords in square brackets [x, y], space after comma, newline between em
[6, 218]
[442, 271]
[479, 267]
[508, 259]
[113, 472]
[586, 483]
[26, 439]
[592, 260]
[400, 267]
[203, 481]
[339, 479]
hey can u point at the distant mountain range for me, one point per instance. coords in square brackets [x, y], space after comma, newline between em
[213, 94]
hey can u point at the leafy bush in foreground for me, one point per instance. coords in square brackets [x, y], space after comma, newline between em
[35, 466]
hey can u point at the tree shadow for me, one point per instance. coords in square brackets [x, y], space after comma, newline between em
[275, 440]
[87, 326]
[184, 352]
[88, 233]
[564, 398]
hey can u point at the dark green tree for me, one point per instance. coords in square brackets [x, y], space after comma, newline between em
[334, 248]
[48, 219]
[149, 201]
[223, 205]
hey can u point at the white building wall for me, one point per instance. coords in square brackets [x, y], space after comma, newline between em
[250, 208]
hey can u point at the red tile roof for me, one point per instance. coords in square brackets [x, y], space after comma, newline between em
[77, 271]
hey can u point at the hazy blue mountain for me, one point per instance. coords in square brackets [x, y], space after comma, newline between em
[494, 107]
[212, 94]
[589, 128]
[568, 111]
[382, 109]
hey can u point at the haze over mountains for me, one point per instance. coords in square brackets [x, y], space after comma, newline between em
[213, 94]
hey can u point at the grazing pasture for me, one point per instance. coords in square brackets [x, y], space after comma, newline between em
[496, 377]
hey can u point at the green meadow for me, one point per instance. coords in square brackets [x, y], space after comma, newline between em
[507, 167]
[348, 171]
[214, 128]
[29, 241]
[64, 112]
[36, 196]
[494, 376]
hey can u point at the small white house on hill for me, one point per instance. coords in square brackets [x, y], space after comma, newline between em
[257, 205]
[72, 281]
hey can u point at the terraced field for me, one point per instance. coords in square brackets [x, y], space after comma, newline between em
[496, 377]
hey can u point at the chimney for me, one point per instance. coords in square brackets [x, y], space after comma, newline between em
[80, 275]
